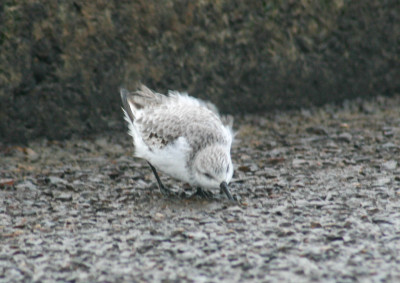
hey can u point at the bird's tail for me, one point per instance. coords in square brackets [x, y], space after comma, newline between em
[126, 106]
[142, 97]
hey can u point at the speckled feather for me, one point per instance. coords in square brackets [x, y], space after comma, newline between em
[180, 135]
[161, 119]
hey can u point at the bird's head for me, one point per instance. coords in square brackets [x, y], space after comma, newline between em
[212, 168]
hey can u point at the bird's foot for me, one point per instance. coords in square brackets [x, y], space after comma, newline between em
[203, 193]
[165, 191]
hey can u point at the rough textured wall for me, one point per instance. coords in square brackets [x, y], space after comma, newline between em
[61, 62]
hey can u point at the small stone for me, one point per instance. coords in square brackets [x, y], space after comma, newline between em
[296, 163]
[244, 168]
[332, 145]
[390, 165]
[314, 225]
[317, 130]
[101, 142]
[31, 154]
[381, 181]
[158, 217]
[346, 137]
[389, 145]
[56, 180]
[177, 231]
[197, 235]
[267, 173]
[6, 182]
[26, 185]
[64, 197]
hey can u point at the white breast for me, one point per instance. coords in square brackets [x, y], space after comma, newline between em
[171, 159]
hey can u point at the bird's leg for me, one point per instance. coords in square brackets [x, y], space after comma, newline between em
[224, 188]
[203, 193]
[163, 189]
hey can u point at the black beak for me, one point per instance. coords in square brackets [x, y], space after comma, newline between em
[225, 189]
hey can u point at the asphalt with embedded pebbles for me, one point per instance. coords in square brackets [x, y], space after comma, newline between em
[319, 200]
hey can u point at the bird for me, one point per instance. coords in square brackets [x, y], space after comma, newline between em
[181, 136]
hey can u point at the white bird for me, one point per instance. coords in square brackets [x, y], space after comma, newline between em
[181, 136]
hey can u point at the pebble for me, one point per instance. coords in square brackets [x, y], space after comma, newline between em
[26, 185]
[6, 182]
[56, 180]
[31, 154]
[381, 181]
[347, 137]
[196, 235]
[64, 197]
[158, 217]
[297, 163]
[390, 165]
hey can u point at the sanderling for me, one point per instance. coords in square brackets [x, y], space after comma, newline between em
[181, 136]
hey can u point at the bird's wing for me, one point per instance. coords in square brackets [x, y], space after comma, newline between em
[162, 125]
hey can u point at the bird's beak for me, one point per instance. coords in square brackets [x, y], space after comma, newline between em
[225, 189]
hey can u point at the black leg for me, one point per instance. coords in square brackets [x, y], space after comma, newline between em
[224, 188]
[163, 189]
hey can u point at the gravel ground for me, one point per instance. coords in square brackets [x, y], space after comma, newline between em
[319, 197]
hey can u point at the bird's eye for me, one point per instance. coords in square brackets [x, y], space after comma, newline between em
[208, 175]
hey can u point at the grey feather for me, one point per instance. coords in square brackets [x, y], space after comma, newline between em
[163, 119]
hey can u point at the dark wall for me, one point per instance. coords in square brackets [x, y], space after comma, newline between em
[61, 62]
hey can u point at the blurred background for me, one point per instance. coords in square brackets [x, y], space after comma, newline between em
[62, 62]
